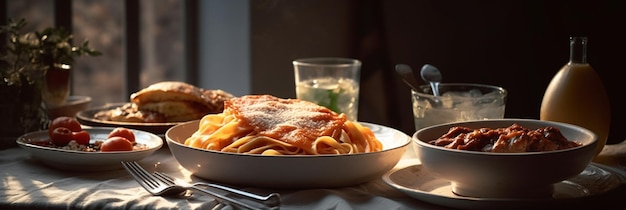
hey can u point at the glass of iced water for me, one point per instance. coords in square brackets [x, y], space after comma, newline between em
[458, 102]
[330, 82]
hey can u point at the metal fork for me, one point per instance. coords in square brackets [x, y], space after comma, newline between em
[149, 182]
[158, 186]
[271, 200]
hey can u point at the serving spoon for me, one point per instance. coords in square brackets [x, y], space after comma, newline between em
[432, 75]
[408, 76]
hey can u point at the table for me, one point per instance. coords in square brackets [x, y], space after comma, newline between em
[27, 184]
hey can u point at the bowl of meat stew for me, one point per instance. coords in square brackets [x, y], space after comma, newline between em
[505, 158]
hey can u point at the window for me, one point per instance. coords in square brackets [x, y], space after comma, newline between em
[160, 54]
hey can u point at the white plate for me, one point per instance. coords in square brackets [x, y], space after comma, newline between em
[418, 183]
[87, 117]
[288, 171]
[88, 161]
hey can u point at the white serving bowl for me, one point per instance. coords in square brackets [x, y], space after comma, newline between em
[505, 175]
[302, 171]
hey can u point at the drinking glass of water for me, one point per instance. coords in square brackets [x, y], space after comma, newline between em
[330, 82]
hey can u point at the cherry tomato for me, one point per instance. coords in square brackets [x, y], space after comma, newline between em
[81, 137]
[116, 143]
[123, 132]
[61, 136]
[67, 122]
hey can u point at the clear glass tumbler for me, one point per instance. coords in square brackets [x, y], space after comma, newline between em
[329, 82]
[458, 102]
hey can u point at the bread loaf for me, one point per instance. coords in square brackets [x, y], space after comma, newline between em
[169, 101]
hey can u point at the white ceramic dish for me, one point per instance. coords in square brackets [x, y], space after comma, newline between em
[503, 174]
[420, 184]
[87, 161]
[86, 117]
[288, 171]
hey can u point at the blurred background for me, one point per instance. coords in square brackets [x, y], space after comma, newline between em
[246, 47]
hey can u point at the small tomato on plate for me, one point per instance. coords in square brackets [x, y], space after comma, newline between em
[81, 137]
[68, 122]
[61, 136]
[123, 132]
[116, 143]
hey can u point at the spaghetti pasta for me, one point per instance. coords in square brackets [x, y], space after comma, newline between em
[267, 125]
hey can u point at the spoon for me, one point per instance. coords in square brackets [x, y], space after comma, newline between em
[407, 75]
[432, 75]
[410, 78]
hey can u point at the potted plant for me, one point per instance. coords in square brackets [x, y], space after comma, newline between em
[34, 72]
[56, 55]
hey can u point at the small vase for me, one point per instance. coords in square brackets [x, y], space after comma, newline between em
[56, 86]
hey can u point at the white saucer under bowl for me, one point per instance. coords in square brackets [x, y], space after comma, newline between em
[416, 182]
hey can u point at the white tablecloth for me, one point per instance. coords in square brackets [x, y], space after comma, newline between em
[28, 184]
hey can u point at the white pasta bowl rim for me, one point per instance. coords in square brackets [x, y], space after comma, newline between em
[385, 148]
[465, 169]
[367, 166]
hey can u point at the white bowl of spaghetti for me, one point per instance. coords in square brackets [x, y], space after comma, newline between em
[365, 152]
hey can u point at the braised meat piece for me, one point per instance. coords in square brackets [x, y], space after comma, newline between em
[514, 138]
